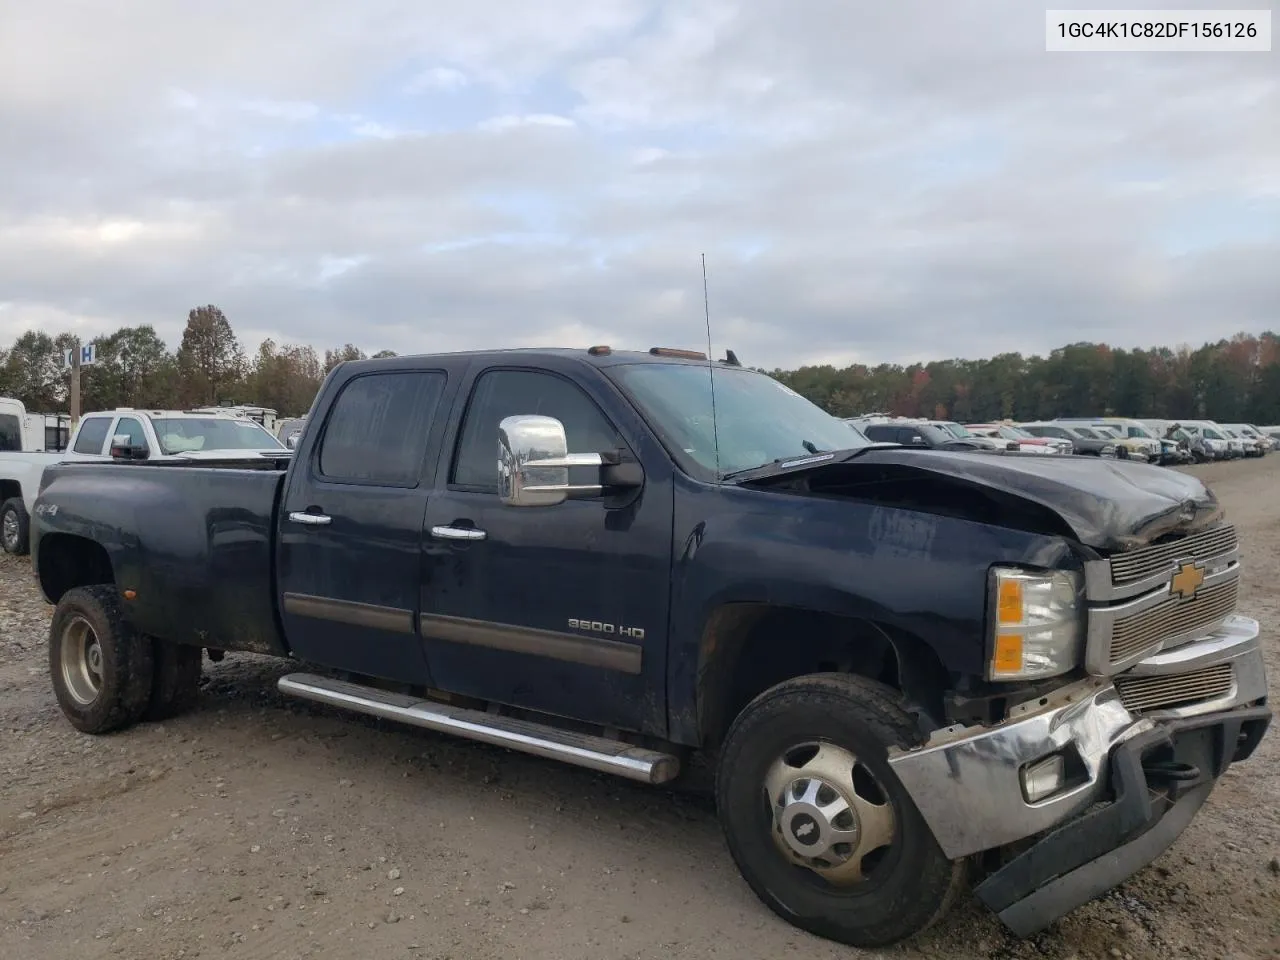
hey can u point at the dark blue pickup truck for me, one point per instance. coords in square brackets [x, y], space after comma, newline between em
[912, 669]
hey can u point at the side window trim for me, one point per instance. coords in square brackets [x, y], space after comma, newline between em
[422, 473]
[460, 429]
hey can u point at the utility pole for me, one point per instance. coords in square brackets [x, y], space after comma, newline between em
[75, 385]
[77, 357]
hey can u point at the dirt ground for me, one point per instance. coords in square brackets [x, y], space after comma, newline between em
[260, 827]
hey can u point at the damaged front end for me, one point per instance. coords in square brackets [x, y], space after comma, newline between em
[1075, 783]
[1095, 780]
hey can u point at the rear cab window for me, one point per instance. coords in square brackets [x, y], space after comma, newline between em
[10, 432]
[92, 435]
[377, 429]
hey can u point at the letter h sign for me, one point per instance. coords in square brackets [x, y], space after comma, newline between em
[88, 355]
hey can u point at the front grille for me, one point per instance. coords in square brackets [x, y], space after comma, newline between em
[1149, 561]
[1172, 618]
[1139, 694]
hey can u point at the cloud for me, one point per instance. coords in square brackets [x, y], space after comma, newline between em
[870, 181]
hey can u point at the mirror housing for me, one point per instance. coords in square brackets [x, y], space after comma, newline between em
[292, 442]
[122, 449]
[534, 462]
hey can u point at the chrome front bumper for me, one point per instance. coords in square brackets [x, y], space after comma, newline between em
[967, 781]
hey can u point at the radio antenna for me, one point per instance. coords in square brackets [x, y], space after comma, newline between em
[711, 366]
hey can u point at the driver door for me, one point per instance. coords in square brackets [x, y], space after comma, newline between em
[560, 609]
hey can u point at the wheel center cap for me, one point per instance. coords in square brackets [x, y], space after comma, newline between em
[805, 830]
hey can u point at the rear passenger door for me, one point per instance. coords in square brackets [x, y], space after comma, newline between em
[350, 541]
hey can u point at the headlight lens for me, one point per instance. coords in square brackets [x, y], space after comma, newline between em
[1035, 625]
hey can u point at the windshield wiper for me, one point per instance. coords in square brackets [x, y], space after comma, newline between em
[834, 455]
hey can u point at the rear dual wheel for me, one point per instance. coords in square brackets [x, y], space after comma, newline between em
[106, 675]
[818, 823]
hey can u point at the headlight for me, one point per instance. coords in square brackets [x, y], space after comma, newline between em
[1035, 627]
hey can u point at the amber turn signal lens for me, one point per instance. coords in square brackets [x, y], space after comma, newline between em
[1010, 601]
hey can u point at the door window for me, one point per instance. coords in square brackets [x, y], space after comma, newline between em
[131, 428]
[92, 435]
[377, 430]
[505, 393]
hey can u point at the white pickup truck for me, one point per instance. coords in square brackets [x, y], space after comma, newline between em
[126, 434]
[22, 430]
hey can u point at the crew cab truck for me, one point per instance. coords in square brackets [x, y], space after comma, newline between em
[134, 434]
[911, 669]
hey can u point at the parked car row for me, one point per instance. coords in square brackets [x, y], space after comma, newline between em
[1164, 442]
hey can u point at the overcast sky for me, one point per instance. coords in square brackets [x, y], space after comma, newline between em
[870, 180]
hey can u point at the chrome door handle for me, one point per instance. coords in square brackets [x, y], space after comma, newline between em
[457, 533]
[312, 519]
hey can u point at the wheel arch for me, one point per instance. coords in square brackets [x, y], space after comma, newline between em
[746, 647]
[66, 561]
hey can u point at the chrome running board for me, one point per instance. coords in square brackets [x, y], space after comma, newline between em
[583, 750]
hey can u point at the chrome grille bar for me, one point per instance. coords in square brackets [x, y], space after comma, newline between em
[1127, 567]
[1125, 575]
[1173, 617]
[1141, 694]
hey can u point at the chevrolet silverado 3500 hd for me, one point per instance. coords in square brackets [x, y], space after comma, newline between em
[911, 668]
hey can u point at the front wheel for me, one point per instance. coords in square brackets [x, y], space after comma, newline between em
[15, 527]
[818, 823]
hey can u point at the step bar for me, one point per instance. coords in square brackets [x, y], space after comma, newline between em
[583, 750]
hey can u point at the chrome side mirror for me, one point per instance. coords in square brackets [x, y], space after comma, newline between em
[292, 442]
[123, 449]
[534, 462]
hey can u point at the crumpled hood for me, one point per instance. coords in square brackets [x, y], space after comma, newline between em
[1109, 504]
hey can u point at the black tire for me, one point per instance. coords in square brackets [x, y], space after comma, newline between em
[911, 887]
[175, 684]
[117, 694]
[15, 527]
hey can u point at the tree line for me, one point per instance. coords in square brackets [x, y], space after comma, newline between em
[1231, 381]
[135, 368]
[1235, 380]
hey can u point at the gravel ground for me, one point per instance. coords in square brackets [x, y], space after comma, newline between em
[260, 827]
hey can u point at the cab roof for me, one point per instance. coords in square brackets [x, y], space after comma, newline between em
[601, 355]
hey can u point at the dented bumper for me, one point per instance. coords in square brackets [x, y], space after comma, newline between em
[1129, 779]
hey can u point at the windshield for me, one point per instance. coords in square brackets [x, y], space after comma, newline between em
[957, 430]
[758, 420]
[1014, 433]
[1085, 432]
[189, 434]
[1211, 433]
[1140, 432]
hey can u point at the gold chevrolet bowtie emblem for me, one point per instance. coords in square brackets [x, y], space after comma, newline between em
[1186, 581]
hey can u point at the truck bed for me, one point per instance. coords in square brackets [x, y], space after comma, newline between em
[192, 539]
